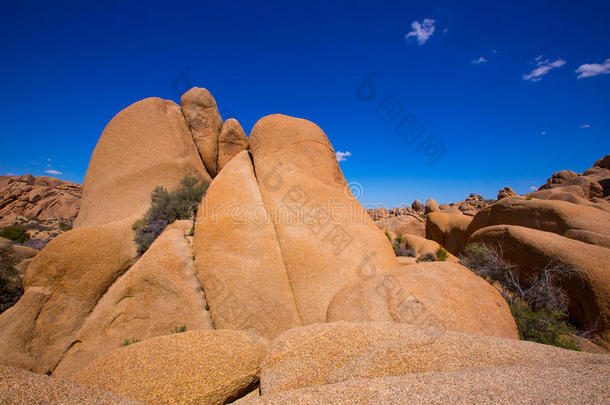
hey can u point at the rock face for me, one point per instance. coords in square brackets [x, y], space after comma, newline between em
[449, 230]
[61, 287]
[403, 225]
[246, 284]
[554, 384]
[441, 294]
[506, 192]
[331, 353]
[20, 387]
[159, 293]
[586, 224]
[303, 187]
[201, 113]
[204, 367]
[588, 287]
[146, 145]
[231, 141]
[41, 198]
[431, 206]
[595, 182]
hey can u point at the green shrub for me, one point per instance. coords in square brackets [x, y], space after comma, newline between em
[15, 233]
[388, 235]
[441, 254]
[399, 239]
[128, 342]
[165, 208]
[180, 329]
[63, 226]
[10, 282]
[543, 325]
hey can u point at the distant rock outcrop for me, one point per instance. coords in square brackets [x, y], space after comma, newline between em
[41, 200]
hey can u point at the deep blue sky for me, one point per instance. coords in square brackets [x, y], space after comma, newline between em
[68, 68]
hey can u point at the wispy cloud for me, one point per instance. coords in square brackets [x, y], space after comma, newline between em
[593, 69]
[479, 60]
[342, 156]
[543, 66]
[533, 188]
[585, 126]
[55, 172]
[10, 174]
[542, 132]
[422, 31]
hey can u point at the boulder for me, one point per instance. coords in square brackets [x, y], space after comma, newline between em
[378, 213]
[246, 283]
[146, 145]
[20, 387]
[330, 353]
[603, 162]
[558, 178]
[448, 294]
[313, 210]
[547, 215]
[158, 294]
[506, 192]
[431, 206]
[231, 141]
[201, 113]
[423, 246]
[418, 206]
[62, 285]
[588, 286]
[449, 230]
[403, 225]
[581, 383]
[203, 367]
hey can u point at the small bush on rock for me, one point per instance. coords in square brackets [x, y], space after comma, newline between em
[428, 257]
[10, 282]
[405, 252]
[167, 207]
[441, 254]
[15, 233]
[540, 310]
[180, 329]
[128, 342]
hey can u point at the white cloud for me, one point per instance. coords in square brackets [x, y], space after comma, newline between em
[593, 69]
[543, 133]
[585, 126]
[10, 174]
[342, 156]
[422, 31]
[49, 159]
[543, 67]
[55, 172]
[533, 188]
[494, 51]
[480, 60]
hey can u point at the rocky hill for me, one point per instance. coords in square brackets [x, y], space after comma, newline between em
[40, 204]
[280, 288]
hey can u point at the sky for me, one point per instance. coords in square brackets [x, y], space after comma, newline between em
[419, 99]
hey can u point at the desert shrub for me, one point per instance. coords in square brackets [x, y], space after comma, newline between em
[399, 239]
[15, 233]
[408, 252]
[10, 282]
[441, 254]
[543, 326]
[64, 226]
[128, 342]
[167, 207]
[37, 244]
[540, 310]
[180, 329]
[388, 235]
[428, 257]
